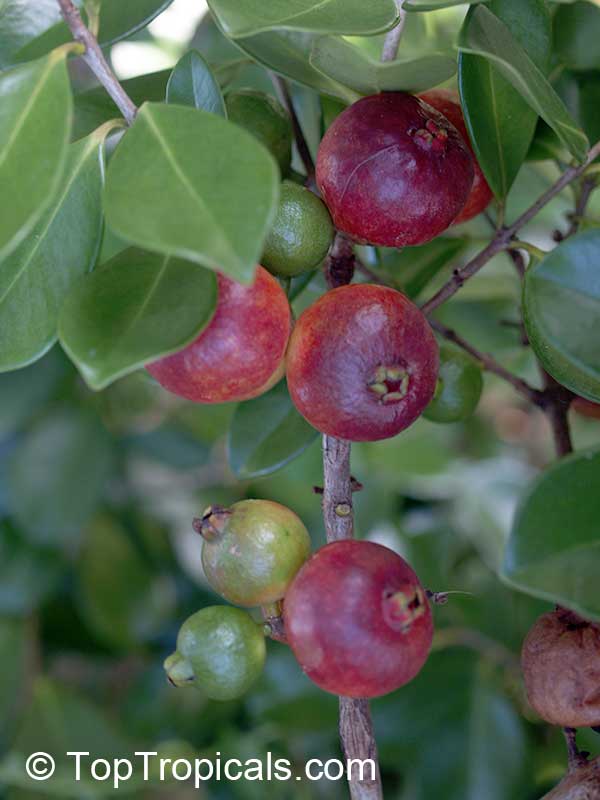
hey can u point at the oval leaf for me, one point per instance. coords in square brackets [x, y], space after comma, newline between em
[561, 302]
[187, 183]
[266, 434]
[57, 477]
[193, 84]
[501, 124]
[288, 53]
[34, 129]
[554, 548]
[37, 276]
[352, 67]
[136, 308]
[240, 18]
[31, 28]
[488, 36]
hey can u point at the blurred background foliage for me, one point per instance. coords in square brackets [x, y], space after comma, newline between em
[99, 565]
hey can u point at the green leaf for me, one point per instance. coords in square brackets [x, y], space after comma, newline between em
[240, 18]
[37, 276]
[487, 36]
[124, 601]
[34, 130]
[561, 301]
[288, 53]
[266, 434]
[501, 124]
[57, 477]
[413, 268]
[192, 83]
[434, 5]
[135, 309]
[31, 28]
[210, 195]
[554, 547]
[576, 34]
[353, 67]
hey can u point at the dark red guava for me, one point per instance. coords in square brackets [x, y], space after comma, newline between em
[393, 171]
[362, 363]
[561, 668]
[358, 619]
[447, 102]
[241, 353]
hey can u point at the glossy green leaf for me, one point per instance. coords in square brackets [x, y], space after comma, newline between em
[266, 434]
[576, 35]
[353, 67]
[240, 18]
[37, 276]
[122, 598]
[561, 301]
[34, 128]
[135, 309]
[487, 36]
[192, 83]
[288, 53]
[501, 124]
[57, 477]
[554, 547]
[31, 28]
[210, 195]
[435, 5]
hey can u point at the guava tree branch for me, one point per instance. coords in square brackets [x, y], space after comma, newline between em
[356, 727]
[392, 40]
[285, 98]
[94, 58]
[490, 364]
[504, 236]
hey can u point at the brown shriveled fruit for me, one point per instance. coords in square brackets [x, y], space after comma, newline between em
[561, 667]
[581, 783]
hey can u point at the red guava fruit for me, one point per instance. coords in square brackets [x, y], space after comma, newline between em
[393, 171]
[358, 619]
[362, 363]
[241, 354]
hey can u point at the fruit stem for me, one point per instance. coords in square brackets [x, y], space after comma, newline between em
[577, 757]
[392, 40]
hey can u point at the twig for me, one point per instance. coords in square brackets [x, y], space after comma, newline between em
[285, 98]
[340, 263]
[587, 188]
[491, 365]
[356, 727]
[577, 758]
[392, 40]
[557, 409]
[503, 237]
[94, 58]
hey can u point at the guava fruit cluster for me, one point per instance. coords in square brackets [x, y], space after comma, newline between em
[362, 362]
[349, 599]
